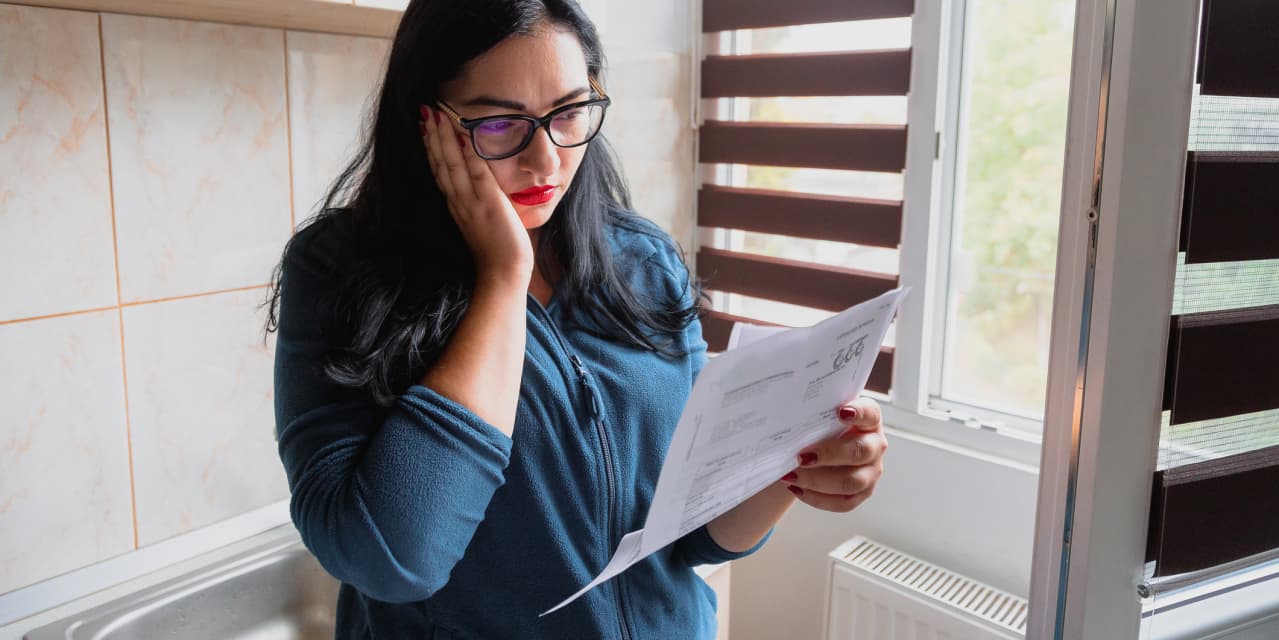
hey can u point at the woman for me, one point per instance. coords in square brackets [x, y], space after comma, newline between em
[482, 355]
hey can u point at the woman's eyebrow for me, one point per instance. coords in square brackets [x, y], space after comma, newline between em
[490, 101]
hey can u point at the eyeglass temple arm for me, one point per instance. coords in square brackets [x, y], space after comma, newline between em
[443, 105]
[597, 88]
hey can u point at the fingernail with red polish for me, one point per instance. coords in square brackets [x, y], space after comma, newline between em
[806, 459]
[790, 477]
[847, 413]
[425, 111]
[795, 490]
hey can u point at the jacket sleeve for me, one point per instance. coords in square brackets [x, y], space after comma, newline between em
[697, 546]
[386, 498]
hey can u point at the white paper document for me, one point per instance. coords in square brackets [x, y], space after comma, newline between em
[751, 411]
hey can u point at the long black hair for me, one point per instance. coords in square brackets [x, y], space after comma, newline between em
[409, 274]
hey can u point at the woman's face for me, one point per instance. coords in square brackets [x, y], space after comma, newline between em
[530, 75]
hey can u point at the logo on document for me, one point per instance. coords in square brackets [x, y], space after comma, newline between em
[849, 353]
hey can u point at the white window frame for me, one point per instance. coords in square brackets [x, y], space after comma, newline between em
[937, 43]
[949, 154]
[933, 118]
[936, 54]
[1129, 119]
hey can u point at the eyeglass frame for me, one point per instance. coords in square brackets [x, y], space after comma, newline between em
[538, 123]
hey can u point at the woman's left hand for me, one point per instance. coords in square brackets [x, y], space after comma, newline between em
[840, 473]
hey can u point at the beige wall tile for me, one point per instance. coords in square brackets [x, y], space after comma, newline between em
[55, 202]
[331, 84]
[64, 474]
[200, 406]
[199, 153]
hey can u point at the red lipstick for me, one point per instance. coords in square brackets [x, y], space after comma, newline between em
[534, 196]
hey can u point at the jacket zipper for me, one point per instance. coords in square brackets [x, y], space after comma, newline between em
[597, 413]
[598, 422]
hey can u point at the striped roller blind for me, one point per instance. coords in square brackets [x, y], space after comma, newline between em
[868, 222]
[1216, 493]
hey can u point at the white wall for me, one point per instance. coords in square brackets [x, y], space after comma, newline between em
[970, 514]
[648, 47]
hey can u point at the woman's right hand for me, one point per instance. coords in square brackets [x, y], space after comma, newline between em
[488, 221]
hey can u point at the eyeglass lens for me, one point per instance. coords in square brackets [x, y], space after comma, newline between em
[503, 136]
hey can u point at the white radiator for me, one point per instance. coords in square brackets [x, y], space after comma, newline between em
[878, 593]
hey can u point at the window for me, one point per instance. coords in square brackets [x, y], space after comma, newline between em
[863, 35]
[1219, 438]
[803, 147]
[1002, 156]
[987, 107]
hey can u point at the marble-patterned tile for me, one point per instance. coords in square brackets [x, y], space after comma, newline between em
[332, 80]
[64, 458]
[201, 413]
[199, 153]
[55, 199]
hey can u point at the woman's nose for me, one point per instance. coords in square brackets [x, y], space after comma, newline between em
[541, 157]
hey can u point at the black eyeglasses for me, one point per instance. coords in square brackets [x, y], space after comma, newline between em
[572, 125]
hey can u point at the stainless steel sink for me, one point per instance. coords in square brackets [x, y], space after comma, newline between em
[273, 592]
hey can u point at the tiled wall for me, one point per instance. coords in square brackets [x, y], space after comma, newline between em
[150, 171]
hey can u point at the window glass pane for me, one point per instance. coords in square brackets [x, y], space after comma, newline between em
[830, 182]
[1192, 442]
[839, 254]
[786, 314]
[821, 109]
[840, 36]
[860, 35]
[1006, 203]
[1233, 123]
[775, 312]
[1216, 286]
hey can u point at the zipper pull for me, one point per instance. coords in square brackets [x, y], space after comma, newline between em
[577, 364]
[597, 406]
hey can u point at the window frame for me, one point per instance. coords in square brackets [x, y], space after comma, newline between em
[932, 107]
[932, 173]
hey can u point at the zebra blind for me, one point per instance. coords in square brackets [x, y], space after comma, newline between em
[1215, 489]
[873, 222]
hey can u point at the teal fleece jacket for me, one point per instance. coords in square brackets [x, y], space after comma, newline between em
[440, 526]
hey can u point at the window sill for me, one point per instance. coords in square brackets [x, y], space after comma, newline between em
[1244, 603]
[1008, 449]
